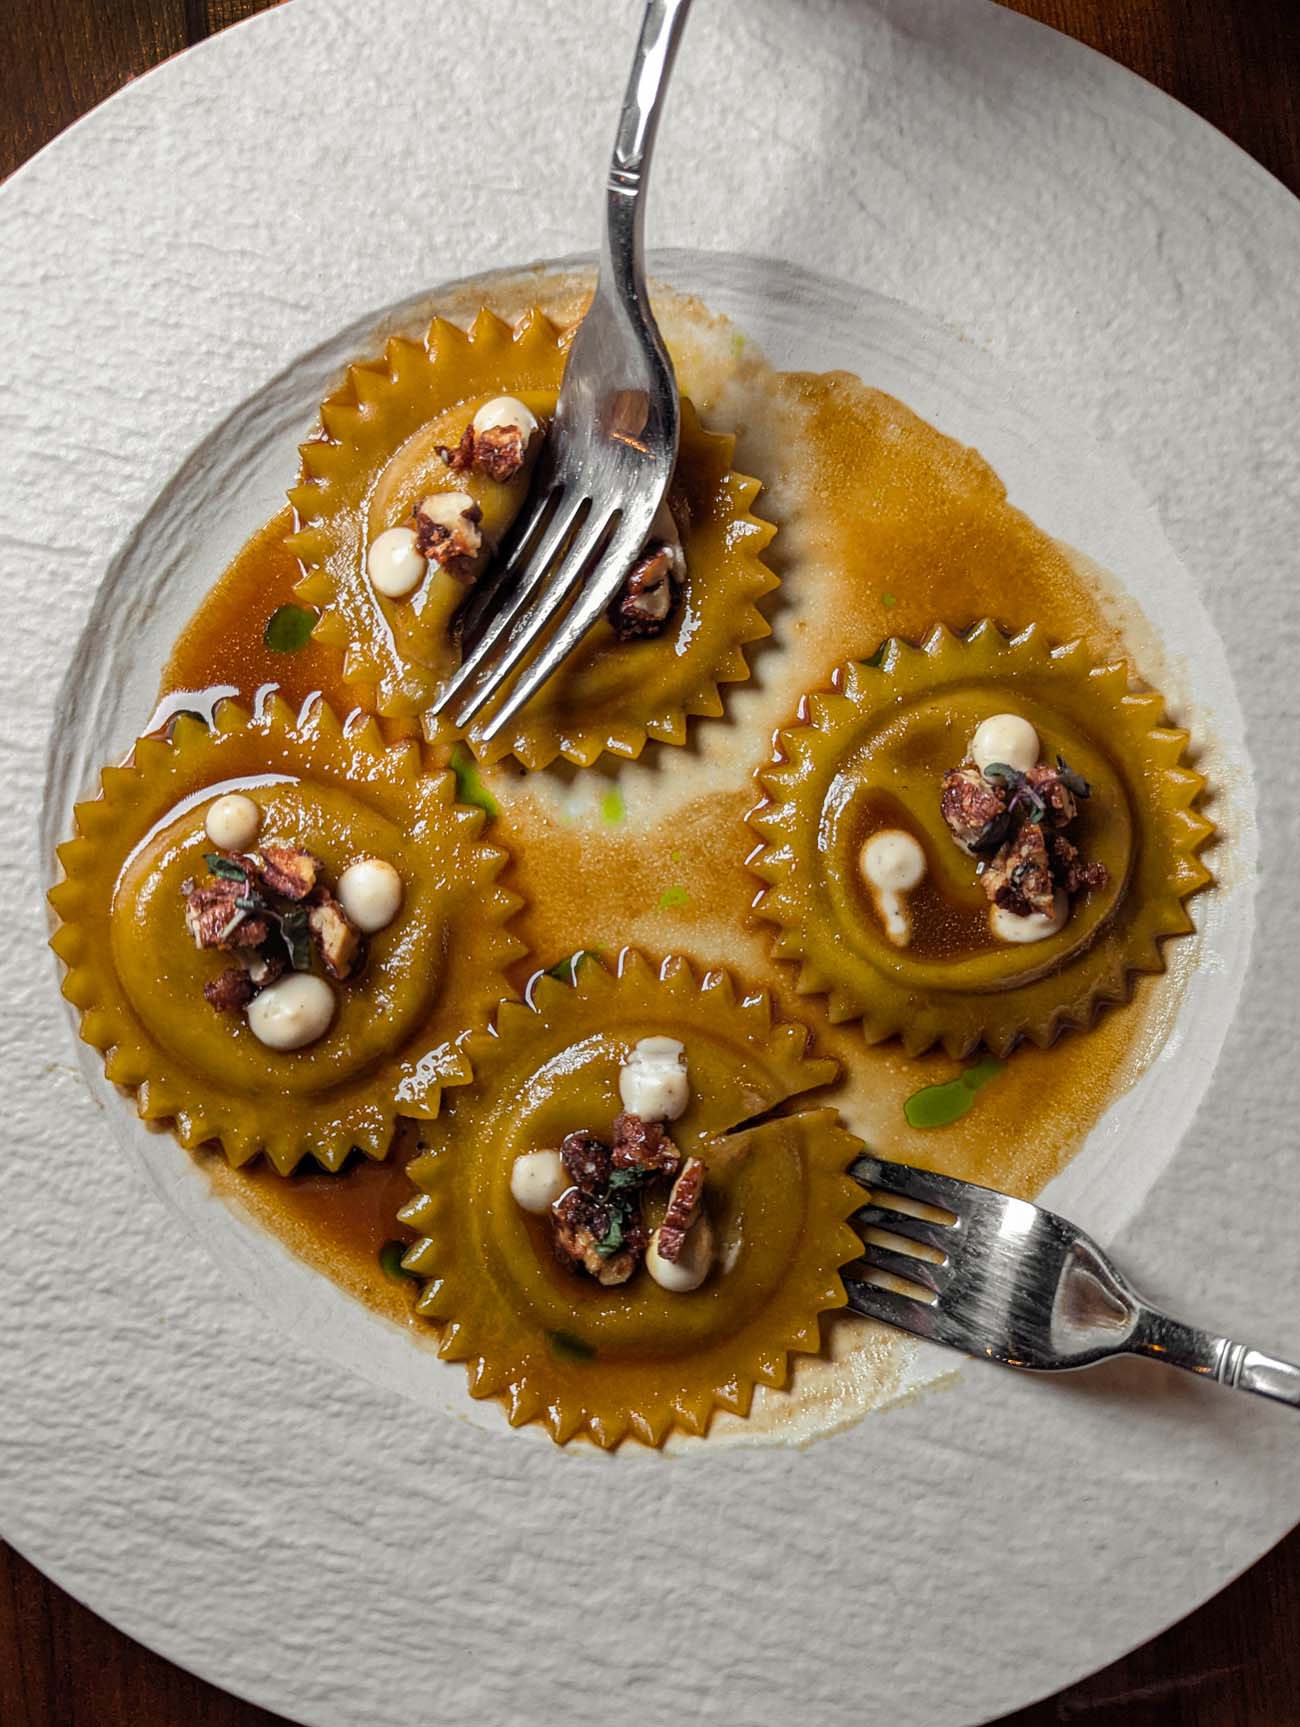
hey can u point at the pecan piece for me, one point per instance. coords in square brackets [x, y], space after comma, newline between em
[644, 1145]
[338, 941]
[214, 919]
[230, 989]
[587, 1161]
[1057, 798]
[683, 1208]
[648, 597]
[1073, 872]
[1019, 877]
[498, 453]
[582, 1223]
[288, 871]
[448, 533]
[969, 804]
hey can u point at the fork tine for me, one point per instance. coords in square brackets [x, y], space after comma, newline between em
[939, 1236]
[490, 588]
[600, 587]
[905, 1265]
[887, 1305]
[495, 624]
[907, 1182]
[529, 625]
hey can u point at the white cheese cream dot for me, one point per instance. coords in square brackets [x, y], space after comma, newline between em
[679, 1276]
[537, 1179]
[892, 864]
[292, 1012]
[232, 822]
[394, 566]
[504, 411]
[1036, 926]
[370, 892]
[653, 1082]
[1005, 738]
[893, 860]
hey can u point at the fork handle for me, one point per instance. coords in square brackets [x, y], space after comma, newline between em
[1211, 1357]
[638, 124]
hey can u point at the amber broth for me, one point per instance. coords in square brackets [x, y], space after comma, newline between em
[886, 526]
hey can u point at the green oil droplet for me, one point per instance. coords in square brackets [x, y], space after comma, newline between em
[672, 898]
[941, 1105]
[469, 782]
[391, 1255]
[612, 807]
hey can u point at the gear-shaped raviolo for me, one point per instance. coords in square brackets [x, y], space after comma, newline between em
[137, 978]
[633, 1359]
[377, 456]
[872, 752]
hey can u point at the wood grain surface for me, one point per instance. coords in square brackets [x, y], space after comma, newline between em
[1236, 1662]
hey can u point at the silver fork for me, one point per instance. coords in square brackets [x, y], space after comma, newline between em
[998, 1277]
[612, 444]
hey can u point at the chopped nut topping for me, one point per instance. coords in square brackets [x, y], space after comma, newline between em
[497, 453]
[645, 1146]
[1019, 876]
[648, 597]
[583, 1224]
[586, 1160]
[337, 939]
[683, 1208]
[287, 870]
[1014, 822]
[454, 544]
[969, 804]
[230, 989]
[214, 919]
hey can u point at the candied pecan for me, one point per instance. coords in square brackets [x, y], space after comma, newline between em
[1019, 876]
[645, 1146]
[683, 1208]
[587, 1161]
[498, 453]
[230, 989]
[581, 1223]
[647, 598]
[459, 457]
[288, 871]
[337, 938]
[1057, 798]
[1072, 872]
[263, 967]
[969, 803]
[215, 920]
[454, 544]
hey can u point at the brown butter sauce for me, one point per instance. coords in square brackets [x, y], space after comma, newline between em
[886, 527]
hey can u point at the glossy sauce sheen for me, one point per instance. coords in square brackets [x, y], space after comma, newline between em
[885, 526]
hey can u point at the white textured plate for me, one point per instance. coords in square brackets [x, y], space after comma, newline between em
[1099, 292]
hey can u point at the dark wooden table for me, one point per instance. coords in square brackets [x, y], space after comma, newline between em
[1235, 1663]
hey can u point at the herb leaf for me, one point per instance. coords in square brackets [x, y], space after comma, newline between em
[566, 970]
[570, 1348]
[673, 897]
[1072, 781]
[297, 937]
[288, 629]
[224, 868]
[469, 782]
[391, 1255]
[612, 1239]
[612, 807]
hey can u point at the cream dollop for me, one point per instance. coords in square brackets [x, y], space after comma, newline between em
[394, 566]
[893, 864]
[1034, 926]
[679, 1276]
[537, 1179]
[503, 411]
[653, 1081]
[232, 822]
[292, 1012]
[370, 892]
[1005, 738]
